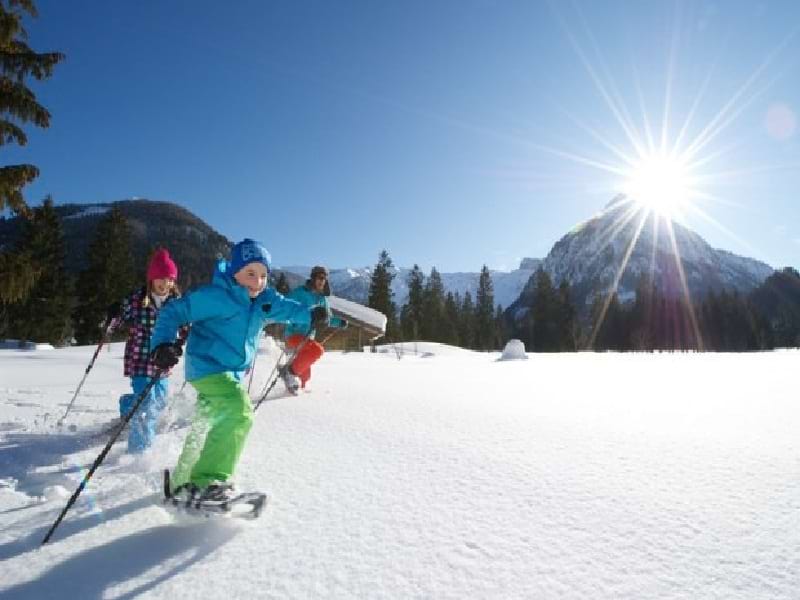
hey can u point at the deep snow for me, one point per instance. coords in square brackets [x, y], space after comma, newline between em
[441, 474]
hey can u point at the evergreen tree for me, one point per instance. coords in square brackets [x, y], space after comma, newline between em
[108, 278]
[452, 311]
[568, 331]
[485, 338]
[466, 327]
[501, 329]
[735, 323]
[45, 315]
[380, 295]
[546, 314]
[18, 105]
[777, 303]
[282, 284]
[432, 327]
[411, 314]
[640, 320]
[608, 320]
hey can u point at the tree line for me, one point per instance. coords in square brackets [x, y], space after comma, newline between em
[545, 319]
[60, 307]
[432, 314]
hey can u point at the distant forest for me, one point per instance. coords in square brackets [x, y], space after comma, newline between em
[110, 246]
[546, 320]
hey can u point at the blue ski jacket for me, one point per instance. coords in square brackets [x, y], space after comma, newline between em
[309, 298]
[226, 324]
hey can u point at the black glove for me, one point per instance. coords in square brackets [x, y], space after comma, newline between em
[166, 356]
[114, 311]
[319, 317]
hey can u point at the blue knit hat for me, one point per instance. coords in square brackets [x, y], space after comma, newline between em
[249, 251]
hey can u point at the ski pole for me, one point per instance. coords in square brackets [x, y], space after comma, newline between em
[252, 374]
[102, 455]
[329, 336]
[126, 419]
[268, 388]
[271, 374]
[294, 354]
[111, 326]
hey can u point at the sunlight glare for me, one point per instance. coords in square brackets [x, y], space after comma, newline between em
[660, 184]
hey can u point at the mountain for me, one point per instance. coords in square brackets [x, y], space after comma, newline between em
[190, 240]
[353, 284]
[590, 257]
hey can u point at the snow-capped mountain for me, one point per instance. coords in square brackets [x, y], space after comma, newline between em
[353, 284]
[590, 256]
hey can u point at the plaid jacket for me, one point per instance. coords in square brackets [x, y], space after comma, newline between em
[140, 317]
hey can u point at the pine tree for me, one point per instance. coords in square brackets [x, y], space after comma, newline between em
[18, 105]
[45, 315]
[545, 313]
[641, 318]
[466, 327]
[568, 331]
[451, 319]
[411, 314]
[432, 328]
[501, 329]
[484, 312]
[777, 304]
[608, 321]
[380, 295]
[108, 278]
[282, 284]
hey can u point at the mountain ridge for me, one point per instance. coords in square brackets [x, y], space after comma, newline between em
[588, 256]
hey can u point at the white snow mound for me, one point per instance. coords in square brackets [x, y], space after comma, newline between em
[514, 350]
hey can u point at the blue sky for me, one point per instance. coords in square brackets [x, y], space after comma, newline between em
[452, 134]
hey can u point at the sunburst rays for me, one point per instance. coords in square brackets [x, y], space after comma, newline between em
[665, 177]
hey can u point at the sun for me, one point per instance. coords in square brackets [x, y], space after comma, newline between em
[659, 183]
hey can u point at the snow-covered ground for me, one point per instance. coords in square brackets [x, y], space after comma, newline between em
[441, 474]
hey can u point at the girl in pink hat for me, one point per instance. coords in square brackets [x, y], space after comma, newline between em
[138, 312]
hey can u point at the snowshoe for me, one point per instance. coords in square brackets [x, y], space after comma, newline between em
[216, 499]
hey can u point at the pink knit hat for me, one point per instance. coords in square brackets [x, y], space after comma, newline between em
[162, 266]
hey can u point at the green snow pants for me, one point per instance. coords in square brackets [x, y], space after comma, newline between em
[219, 430]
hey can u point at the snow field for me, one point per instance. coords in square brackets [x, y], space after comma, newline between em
[445, 474]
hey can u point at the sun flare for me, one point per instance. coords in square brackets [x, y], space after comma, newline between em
[661, 184]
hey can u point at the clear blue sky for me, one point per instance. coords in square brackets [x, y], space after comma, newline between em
[452, 133]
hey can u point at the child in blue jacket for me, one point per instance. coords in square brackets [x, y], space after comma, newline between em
[227, 317]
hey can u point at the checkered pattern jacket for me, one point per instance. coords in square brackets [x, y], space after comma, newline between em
[139, 313]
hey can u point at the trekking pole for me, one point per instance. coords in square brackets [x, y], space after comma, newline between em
[294, 354]
[126, 419]
[252, 374]
[271, 385]
[329, 336]
[271, 374]
[111, 326]
[102, 455]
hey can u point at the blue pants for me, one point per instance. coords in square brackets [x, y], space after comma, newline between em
[143, 423]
